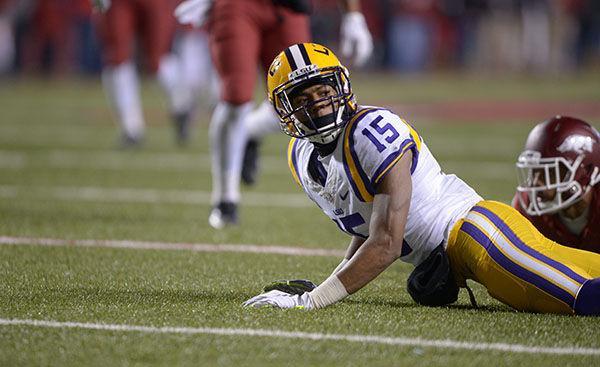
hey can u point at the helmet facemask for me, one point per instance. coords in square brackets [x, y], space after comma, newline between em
[549, 183]
[300, 118]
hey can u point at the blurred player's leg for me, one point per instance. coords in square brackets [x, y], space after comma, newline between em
[121, 85]
[197, 68]
[227, 134]
[179, 95]
[159, 29]
[289, 28]
[117, 27]
[7, 49]
[190, 78]
[261, 122]
[235, 42]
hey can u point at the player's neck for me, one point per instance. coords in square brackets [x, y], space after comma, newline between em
[325, 149]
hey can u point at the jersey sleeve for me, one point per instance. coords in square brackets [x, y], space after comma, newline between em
[292, 154]
[374, 141]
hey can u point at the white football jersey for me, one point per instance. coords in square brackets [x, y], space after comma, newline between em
[344, 187]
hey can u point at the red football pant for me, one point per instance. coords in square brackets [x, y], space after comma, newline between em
[246, 34]
[149, 21]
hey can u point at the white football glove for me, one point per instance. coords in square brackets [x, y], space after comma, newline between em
[355, 36]
[194, 12]
[280, 299]
[101, 5]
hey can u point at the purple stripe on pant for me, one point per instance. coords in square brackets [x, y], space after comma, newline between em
[512, 237]
[515, 268]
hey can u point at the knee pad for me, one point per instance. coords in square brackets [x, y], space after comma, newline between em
[588, 298]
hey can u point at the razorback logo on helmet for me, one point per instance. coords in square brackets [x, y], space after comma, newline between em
[577, 143]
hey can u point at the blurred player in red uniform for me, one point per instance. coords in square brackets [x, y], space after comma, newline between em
[121, 24]
[558, 175]
[50, 30]
[246, 34]
[7, 37]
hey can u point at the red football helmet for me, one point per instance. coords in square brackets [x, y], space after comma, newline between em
[560, 163]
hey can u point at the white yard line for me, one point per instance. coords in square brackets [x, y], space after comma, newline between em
[187, 162]
[12, 160]
[152, 196]
[198, 247]
[99, 159]
[356, 338]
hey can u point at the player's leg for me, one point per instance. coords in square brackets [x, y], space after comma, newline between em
[119, 75]
[196, 67]
[159, 28]
[497, 247]
[260, 122]
[197, 85]
[581, 258]
[234, 40]
[588, 298]
[287, 28]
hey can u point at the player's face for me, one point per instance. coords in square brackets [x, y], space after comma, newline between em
[317, 99]
[539, 180]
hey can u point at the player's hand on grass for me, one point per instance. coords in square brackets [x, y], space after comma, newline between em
[280, 299]
[284, 294]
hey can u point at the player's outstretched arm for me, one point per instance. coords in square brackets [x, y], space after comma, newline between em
[384, 245]
[380, 250]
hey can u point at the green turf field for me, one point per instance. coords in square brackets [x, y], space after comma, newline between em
[96, 303]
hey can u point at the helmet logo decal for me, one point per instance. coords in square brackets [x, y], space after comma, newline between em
[577, 143]
[275, 66]
[323, 51]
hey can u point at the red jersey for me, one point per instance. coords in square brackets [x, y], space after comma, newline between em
[551, 226]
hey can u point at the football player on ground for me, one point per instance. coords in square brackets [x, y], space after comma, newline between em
[120, 24]
[559, 171]
[374, 176]
[245, 34]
